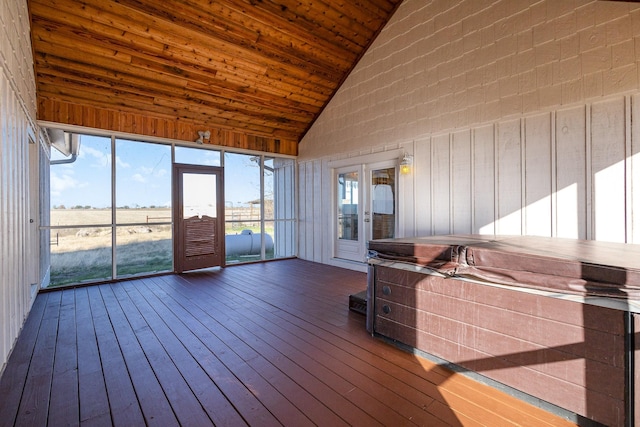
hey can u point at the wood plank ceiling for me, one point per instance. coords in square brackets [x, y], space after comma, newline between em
[256, 73]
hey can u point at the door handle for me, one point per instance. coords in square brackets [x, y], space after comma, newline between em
[367, 220]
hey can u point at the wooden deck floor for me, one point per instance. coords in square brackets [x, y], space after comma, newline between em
[260, 344]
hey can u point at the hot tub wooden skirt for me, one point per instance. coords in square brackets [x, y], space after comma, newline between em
[561, 349]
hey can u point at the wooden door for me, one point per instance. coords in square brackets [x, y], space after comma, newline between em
[198, 211]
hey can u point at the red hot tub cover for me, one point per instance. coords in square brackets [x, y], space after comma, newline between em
[582, 267]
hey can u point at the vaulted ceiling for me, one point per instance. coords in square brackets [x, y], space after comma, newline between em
[256, 73]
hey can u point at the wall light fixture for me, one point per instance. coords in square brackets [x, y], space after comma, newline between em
[405, 164]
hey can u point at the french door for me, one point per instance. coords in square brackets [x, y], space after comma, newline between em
[198, 217]
[365, 207]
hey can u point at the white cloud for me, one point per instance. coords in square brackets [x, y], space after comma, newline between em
[101, 158]
[121, 163]
[139, 178]
[64, 182]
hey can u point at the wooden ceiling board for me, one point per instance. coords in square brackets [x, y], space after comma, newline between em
[260, 68]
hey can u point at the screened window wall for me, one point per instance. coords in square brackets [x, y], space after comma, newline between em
[80, 215]
[259, 207]
[111, 215]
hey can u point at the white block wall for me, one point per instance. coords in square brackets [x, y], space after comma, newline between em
[522, 117]
[18, 253]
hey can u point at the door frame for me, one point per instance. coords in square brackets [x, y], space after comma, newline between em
[346, 249]
[178, 169]
[362, 164]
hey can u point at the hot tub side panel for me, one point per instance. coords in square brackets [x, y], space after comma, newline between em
[563, 352]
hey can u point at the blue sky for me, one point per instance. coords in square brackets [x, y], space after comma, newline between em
[143, 174]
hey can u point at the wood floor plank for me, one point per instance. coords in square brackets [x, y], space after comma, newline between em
[368, 339]
[154, 404]
[402, 386]
[271, 368]
[299, 396]
[266, 344]
[64, 407]
[94, 403]
[279, 342]
[123, 402]
[494, 401]
[15, 373]
[203, 387]
[212, 353]
[269, 395]
[404, 398]
[358, 345]
[437, 374]
[186, 407]
[330, 310]
[34, 405]
[294, 343]
[300, 291]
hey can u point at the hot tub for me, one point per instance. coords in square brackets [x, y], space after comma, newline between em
[551, 320]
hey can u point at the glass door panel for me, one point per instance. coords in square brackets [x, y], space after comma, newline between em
[349, 238]
[199, 195]
[383, 203]
[348, 206]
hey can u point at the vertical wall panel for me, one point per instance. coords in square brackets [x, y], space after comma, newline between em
[309, 207]
[484, 180]
[422, 203]
[302, 208]
[574, 175]
[538, 175]
[325, 205]
[461, 182]
[317, 212]
[509, 178]
[17, 266]
[5, 167]
[440, 184]
[608, 170]
[634, 165]
[406, 194]
[571, 193]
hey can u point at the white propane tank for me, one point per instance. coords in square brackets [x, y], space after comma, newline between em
[246, 243]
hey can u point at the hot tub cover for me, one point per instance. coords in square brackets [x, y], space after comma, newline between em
[572, 266]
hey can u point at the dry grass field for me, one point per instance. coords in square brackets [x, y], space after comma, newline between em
[61, 217]
[82, 250]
